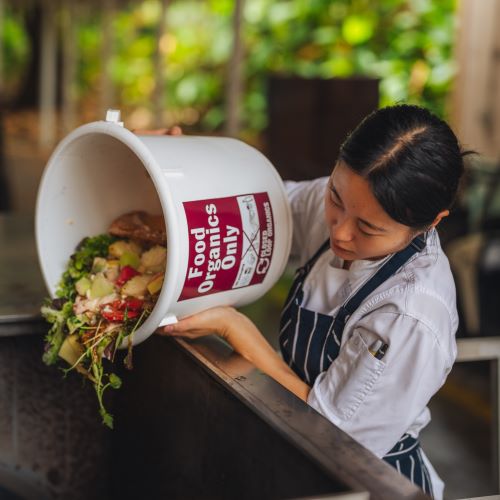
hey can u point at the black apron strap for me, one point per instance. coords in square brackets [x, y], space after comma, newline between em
[310, 263]
[385, 272]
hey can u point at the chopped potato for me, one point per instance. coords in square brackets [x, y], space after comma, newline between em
[137, 286]
[154, 259]
[118, 248]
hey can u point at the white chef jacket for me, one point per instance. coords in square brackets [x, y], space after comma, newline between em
[414, 312]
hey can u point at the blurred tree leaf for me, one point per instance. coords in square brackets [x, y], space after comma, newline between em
[357, 29]
[15, 49]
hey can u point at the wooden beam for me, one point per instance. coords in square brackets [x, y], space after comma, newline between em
[2, 10]
[487, 349]
[475, 110]
[68, 16]
[47, 89]
[159, 69]
[234, 88]
[107, 89]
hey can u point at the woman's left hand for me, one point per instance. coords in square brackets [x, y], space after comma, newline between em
[216, 320]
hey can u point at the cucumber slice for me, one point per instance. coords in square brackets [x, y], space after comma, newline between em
[98, 265]
[118, 248]
[82, 285]
[101, 287]
[130, 259]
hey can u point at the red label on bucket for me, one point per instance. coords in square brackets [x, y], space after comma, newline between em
[231, 243]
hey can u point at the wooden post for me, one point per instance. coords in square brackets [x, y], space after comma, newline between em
[2, 6]
[4, 192]
[69, 65]
[47, 89]
[481, 349]
[475, 111]
[234, 83]
[159, 65]
[107, 90]
[4, 188]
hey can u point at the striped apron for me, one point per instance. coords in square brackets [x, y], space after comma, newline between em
[310, 342]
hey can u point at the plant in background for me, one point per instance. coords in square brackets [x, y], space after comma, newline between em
[14, 48]
[405, 43]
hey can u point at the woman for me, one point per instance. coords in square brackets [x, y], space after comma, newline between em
[368, 329]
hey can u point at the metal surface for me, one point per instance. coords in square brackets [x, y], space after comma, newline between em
[487, 349]
[341, 496]
[185, 435]
[478, 348]
[21, 285]
[52, 442]
[324, 443]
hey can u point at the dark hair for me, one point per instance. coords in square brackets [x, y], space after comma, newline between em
[411, 159]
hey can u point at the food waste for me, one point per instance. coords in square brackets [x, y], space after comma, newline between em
[109, 288]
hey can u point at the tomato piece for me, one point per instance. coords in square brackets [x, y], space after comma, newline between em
[127, 273]
[116, 310]
[116, 315]
[132, 304]
[116, 304]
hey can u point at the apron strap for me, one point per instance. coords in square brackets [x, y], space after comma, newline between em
[310, 263]
[385, 272]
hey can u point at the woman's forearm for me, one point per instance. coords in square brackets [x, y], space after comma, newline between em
[248, 341]
[245, 338]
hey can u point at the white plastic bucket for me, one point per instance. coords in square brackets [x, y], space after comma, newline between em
[226, 212]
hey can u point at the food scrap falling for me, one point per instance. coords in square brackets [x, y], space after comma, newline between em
[109, 288]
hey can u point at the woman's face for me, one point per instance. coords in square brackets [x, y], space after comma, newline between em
[359, 227]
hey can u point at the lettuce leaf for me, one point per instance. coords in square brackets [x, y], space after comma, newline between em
[56, 334]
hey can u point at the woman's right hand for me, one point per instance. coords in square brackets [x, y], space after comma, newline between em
[175, 130]
[244, 337]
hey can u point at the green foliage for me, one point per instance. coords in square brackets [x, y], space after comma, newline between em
[14, 46]
[57, 316]
[407, 44]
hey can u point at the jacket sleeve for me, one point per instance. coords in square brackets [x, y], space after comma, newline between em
[377, 401]
[309, 229]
